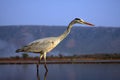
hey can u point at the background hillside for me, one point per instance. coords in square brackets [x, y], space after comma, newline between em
[82, 40]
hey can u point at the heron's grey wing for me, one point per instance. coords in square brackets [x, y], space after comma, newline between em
[34, 46]
[44, 45]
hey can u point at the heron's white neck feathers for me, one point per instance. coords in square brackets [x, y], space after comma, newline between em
[67, 31]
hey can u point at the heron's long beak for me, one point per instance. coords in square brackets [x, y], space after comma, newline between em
[87, 23]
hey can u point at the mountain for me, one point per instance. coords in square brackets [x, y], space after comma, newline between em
[81, 40]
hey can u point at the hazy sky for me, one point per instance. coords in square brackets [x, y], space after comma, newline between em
[59, 12]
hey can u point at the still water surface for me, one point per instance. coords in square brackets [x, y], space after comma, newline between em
[61, 72]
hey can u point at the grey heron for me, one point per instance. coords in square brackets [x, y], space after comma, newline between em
[45, 45]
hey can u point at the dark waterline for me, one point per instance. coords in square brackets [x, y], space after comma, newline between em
[61, 72]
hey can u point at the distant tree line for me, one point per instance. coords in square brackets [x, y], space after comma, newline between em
[24, 55]
[94, 56]
[101, 56]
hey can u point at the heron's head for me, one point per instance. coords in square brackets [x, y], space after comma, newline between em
[81, 21]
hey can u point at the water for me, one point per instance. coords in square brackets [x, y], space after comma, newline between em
[61, 72]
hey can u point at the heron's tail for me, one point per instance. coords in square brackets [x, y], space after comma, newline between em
[18, 50]
[23, 49]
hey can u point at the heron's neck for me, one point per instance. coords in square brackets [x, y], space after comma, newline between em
[67, 31]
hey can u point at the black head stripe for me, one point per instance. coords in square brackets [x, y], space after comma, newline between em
[77, 19]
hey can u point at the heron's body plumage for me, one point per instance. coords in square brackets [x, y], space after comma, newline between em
[45, 45]
[42, 45]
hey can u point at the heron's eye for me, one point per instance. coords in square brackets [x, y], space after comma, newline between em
[81, 20]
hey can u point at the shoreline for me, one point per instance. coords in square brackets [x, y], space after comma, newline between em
[59, 61]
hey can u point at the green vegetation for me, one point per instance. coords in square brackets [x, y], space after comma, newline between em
[89, 56]
[74, 57]
[102, 56]
[61, 59]
[25, 55]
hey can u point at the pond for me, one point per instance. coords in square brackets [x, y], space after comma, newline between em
[60, 72]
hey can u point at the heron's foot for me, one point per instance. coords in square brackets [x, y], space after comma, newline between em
[46, 68]
[38, 64]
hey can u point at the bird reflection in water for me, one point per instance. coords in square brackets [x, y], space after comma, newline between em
[38, 75]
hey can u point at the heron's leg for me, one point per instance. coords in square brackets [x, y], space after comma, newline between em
[40, 58]
[41, 55]
[45, 62]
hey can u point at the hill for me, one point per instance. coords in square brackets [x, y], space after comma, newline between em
[82, 40]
